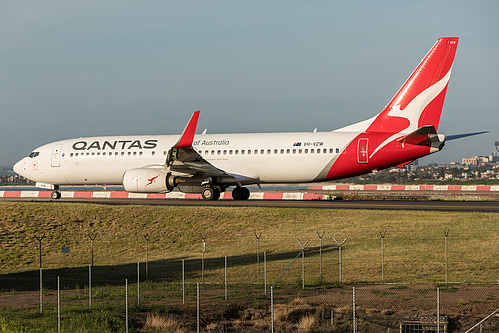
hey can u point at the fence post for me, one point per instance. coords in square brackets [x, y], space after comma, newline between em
[272, 307]
[92, 237]
[225, 277]
[138, 284]
[258, 256]
[183, 281]
[446, 234]
[303, 262]
[382, 235]
[265, 269]
[354, 318]
[58, 306]
[202, 258]
[126, 305]
[438, 309]
[41, 292]
[90, 286]
[197, 308]
[320, 253]
[339, 246]
[39, 238]
[146, 237]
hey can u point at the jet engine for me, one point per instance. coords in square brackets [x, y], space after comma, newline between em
[148, 180]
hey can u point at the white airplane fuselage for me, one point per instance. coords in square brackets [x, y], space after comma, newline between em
[253, 158]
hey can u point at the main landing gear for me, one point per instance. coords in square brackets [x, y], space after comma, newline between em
[213, 193]
[55, 193]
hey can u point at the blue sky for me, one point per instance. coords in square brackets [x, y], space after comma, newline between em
[87, 68]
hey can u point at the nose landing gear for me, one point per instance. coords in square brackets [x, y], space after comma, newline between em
[55, 193]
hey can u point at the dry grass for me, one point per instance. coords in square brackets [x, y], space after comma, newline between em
[167, 324]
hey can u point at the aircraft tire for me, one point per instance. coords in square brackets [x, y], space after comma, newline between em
[211, 193]
[55, 195]
[240, 193]
[237, 193]
[246, 193]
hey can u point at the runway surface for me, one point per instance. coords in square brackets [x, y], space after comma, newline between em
[458, 206]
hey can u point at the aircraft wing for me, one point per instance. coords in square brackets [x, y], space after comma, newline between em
[182, 158]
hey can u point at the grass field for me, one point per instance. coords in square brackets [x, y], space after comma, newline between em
[414, 244]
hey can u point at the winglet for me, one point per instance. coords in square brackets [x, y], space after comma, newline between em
[187, 136]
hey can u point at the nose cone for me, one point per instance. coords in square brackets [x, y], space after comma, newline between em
[20, 167]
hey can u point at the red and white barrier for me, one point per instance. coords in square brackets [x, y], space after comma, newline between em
[171, 195]
[388, 187]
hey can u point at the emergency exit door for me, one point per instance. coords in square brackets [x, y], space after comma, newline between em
[362, 154]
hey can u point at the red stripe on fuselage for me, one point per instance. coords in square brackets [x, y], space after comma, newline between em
[394, 153]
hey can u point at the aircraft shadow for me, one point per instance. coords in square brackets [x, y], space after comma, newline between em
[164, 270]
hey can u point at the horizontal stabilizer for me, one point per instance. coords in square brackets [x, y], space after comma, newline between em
[459, 136]
[422, 136]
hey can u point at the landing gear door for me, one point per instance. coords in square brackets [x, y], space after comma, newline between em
[362, 154]
[56, 155]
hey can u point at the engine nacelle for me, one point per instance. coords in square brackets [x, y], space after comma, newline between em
[148, 180]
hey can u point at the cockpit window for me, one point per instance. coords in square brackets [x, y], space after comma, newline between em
[34, 154]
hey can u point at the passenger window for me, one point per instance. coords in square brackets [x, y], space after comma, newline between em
[288, 151]
[140, 154]
[294, 151]
[324, 150]
[242, 152]
[299, 151]
[230, 152]
[256, 151]
[262, 151]
[225, 152]
[134, 153]
[213, 152]
[282, 151]
[337, 150]
[306, 151]
[165, 152]
[206, 152]
[236, 152]
[219, 152]
[331, 150]
[249, 151]
[311, 151]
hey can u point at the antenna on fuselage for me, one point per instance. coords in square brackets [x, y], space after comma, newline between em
[204, 132]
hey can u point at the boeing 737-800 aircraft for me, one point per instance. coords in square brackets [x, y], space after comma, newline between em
[210, 163]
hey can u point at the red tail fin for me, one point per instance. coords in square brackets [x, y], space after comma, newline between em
[420, 100]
